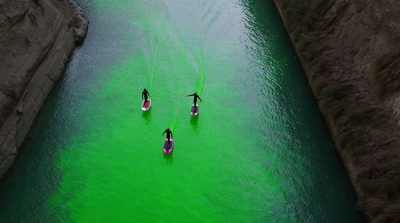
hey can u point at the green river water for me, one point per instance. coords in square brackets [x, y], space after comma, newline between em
[259, 150]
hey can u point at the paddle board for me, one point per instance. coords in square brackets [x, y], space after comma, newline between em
[166, 148]
[194, 111]
[146, 105]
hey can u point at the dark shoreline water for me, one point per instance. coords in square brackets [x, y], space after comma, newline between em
[95, 156]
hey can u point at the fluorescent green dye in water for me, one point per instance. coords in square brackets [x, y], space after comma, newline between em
[257, 152]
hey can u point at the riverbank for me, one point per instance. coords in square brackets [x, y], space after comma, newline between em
[350, 53]
[38, 37]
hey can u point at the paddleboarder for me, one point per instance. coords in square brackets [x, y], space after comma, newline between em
[195, 96]
[145, 94]
[169, 134]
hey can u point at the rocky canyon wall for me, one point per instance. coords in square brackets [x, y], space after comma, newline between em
[36, 40]
[350, 52]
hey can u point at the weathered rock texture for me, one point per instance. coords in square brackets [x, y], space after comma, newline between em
[350, 51]
[36, 40]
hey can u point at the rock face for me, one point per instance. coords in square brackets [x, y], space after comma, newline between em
[350, 52]
[36, 40]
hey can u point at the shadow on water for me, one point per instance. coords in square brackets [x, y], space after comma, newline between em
[168, 157]
[194, 120]
[146, 115]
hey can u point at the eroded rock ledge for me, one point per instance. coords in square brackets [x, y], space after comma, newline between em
[36, 40]
[350, 52]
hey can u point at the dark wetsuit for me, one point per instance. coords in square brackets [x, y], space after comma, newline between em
[145, 94]
[195, 96]
[169, 134]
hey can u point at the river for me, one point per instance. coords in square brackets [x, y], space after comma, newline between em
[259, 150]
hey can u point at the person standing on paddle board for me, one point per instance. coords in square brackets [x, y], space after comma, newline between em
[169, 134]
[145, 94]
[195, 96]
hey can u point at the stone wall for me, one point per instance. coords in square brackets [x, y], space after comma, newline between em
[350, 52]
[37, 38]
